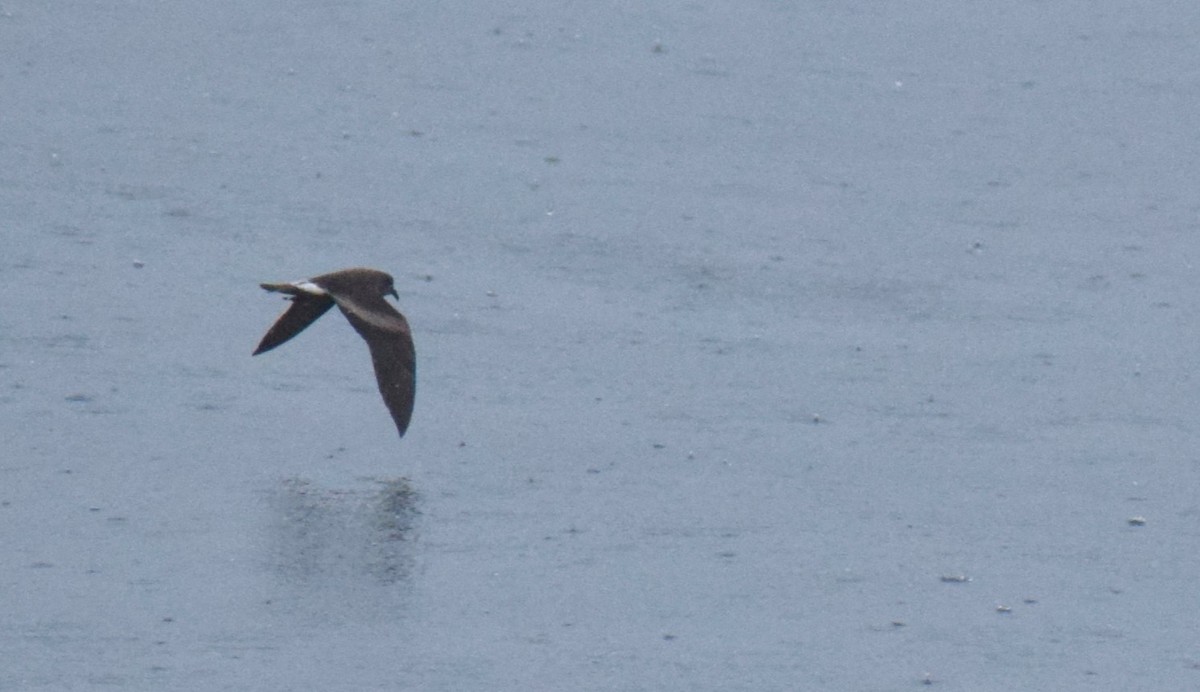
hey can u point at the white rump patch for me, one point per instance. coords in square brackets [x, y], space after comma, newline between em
[310, 287]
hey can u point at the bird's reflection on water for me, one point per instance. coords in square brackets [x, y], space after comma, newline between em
[333, 536]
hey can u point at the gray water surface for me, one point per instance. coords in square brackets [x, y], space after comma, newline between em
[761, 346]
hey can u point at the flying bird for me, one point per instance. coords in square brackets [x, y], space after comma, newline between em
[359, 294]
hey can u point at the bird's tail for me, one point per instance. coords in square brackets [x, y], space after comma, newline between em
[289, 289]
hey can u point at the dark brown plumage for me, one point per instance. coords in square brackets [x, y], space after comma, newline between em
[359, 294]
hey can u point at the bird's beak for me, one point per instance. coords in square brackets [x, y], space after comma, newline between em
[393, 294]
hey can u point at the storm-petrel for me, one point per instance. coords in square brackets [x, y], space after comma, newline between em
[359, 294]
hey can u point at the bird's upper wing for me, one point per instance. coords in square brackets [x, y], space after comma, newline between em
[304, 310]
[392, 353]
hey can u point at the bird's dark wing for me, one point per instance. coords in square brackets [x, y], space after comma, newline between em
[392, 353]
[304, 310]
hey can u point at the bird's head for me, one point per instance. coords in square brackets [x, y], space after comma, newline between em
[389, 287]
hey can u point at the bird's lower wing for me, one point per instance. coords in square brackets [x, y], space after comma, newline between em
[392, 353]
[396, 372]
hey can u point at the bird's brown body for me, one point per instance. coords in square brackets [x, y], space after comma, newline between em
[359, 294]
